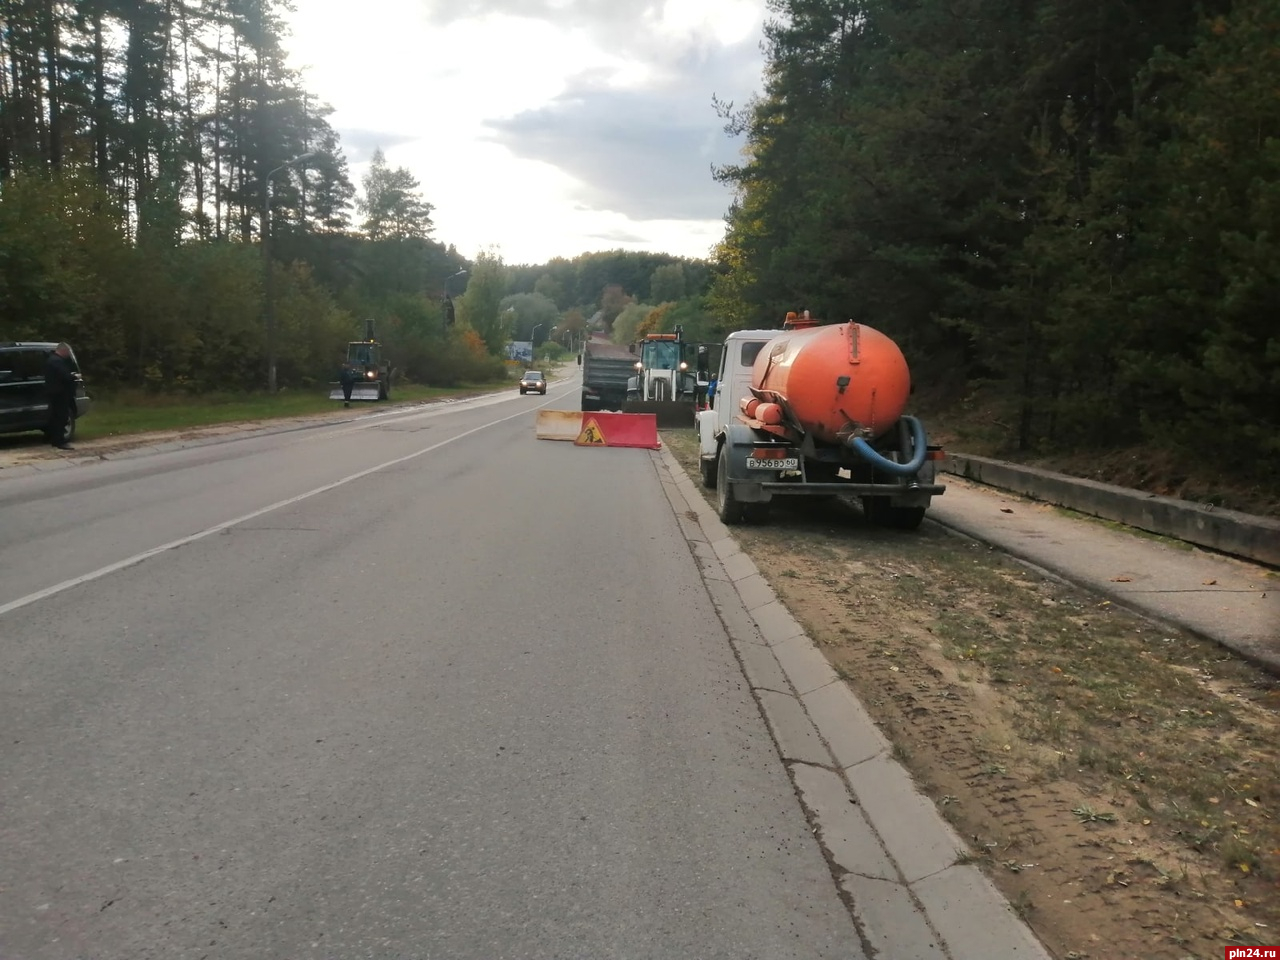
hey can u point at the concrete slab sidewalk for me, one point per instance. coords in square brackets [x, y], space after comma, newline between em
[897, 861]
[1230, 601]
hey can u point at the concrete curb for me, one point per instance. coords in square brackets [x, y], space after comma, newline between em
[1227, 531]
[896, 861]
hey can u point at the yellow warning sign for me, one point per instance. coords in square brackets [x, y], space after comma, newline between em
[591, 435]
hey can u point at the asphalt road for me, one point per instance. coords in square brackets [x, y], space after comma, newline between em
[415, 686]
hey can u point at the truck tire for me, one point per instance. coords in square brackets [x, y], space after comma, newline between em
[707, 470]
[881, 513]
[727, 508]
[904, 518]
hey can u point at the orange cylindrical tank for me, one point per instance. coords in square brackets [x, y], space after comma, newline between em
[769, 413]
[835, 376]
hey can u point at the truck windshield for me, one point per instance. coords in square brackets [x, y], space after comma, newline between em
[662, 355]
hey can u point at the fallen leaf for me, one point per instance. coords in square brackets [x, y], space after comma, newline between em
[1214, 800]
[1210, 583]
[1244, 867]
[1239, 903]
[1005, 510]
[1250, 801]
[1121, 579]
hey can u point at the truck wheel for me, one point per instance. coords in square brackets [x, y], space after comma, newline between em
[707, 470]
[881, 513]
[903, 518]
[727, 508]
[874, 510]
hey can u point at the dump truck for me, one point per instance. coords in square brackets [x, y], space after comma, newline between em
[606, 368]
[663, 382]
[816, 410]
[373, 371]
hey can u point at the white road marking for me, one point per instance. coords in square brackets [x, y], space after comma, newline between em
[218, 528]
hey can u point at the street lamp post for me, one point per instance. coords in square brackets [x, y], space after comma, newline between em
[268, 283]
[533, 339]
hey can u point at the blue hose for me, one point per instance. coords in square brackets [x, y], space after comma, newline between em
[918, 446]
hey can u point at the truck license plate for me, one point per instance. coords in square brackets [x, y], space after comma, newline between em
[789, 463]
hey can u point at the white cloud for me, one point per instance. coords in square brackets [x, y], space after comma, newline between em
[545, 127]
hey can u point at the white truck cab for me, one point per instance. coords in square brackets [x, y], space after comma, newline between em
[733, 382]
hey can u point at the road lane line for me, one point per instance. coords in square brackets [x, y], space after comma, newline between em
[226, 525]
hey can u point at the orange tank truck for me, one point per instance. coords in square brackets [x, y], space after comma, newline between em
[835, 379]
[816, 411]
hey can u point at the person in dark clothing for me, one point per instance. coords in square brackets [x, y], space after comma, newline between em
[347, 376]
[60, 393]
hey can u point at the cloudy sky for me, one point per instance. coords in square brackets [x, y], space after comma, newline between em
[542, 128]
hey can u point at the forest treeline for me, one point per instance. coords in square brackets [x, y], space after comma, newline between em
[1067, 212]
[1069, 209]
[143, 146]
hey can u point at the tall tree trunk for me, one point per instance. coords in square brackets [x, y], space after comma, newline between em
[194, 152]
[101, 112]
[51, 58]
[8, 128]
[218, 232]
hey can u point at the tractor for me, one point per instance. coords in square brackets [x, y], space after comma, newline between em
[372, 369]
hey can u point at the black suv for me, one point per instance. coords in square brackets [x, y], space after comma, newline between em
[22, 400]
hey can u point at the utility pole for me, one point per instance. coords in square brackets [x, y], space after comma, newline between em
[268, 281]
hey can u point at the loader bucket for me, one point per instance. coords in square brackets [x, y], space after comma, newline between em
[671, 414]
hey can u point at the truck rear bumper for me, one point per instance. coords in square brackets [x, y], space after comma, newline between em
[855, 489]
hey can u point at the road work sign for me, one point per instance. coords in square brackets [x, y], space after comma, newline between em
[590, 435]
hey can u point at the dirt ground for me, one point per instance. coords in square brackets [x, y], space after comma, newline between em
[1118, 781]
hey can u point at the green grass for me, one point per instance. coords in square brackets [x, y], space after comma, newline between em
[130, 412]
